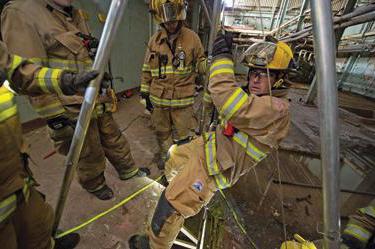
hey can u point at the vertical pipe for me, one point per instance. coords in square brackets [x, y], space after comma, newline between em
[301, 14]
[325, 54]
[216, 12]
[274, 7]
[283, 10]
[205, 9]
[115, 14]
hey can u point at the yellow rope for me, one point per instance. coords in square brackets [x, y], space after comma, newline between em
[123, 202]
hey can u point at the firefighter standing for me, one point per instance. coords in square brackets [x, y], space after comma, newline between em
[253, 124]
[52, 33]
[173, 58]
[25, 218]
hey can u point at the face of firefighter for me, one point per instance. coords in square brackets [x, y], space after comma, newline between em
[171, 27]
[258, 82]
[64, 3]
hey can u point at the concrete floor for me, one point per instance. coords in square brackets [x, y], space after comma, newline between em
[113, 230]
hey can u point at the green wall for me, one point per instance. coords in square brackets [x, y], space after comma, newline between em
[128, 50]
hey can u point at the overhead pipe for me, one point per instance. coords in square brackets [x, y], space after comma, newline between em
[325, 59]
[111, 26]
[360, 11]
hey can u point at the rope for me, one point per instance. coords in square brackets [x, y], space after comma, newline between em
[102, 214]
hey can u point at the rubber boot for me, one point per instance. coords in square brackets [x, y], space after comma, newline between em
[104, 193]
[69, 241]
[138, 172]
[139, 241]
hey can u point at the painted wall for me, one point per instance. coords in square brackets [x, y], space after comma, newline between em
[128, 50]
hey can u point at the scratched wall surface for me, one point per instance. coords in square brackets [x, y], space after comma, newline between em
[128, 49]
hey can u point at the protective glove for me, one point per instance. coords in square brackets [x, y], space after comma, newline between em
[223, 45]
[72, 83]
[146, 98]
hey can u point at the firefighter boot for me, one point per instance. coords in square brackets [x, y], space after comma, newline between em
[69, 241]
[104, 193]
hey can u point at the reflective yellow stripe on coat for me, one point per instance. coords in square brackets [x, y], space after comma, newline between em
[8, 107]
[9, 205]
[48, 80]
[221, 66]
[171, 102]
[370, 211]
[16, 62]
[251, 150]
[358, 232]
[211, 161]
[171, 70]
[71, 65]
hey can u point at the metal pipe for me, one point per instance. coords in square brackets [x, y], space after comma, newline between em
[301, 14]
[113, 21]
[283, 11]
[274, 7]
[325, 58]
[213, 32]
[205, 9]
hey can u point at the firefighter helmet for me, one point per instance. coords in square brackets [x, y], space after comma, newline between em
[168, 10]
[274, 56]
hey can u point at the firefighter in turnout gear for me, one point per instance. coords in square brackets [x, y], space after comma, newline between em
[253, 122]
[25, 218]
[173, 59]
[359, 233]
[53, 33]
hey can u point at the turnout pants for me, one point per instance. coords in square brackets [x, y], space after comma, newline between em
[190, 189]
[29, 226]
[165, 119]
[103, 140]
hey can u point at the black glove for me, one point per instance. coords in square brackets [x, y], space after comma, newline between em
[146, 97]
[222, 45]
[72, 83]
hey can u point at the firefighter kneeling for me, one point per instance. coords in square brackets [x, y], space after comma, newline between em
[254, 121]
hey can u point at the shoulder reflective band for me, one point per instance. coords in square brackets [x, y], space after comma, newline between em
[251, 150]
[221, 66]
[16, 62]
[171, 102]
[358, 232]
[8, 107]
[370, 211]
[211, 161]
[233, 104]
[48, 80]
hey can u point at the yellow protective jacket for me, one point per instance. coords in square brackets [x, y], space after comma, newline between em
[24, 78]
[46, 34]
[260, 126]
[168, 85]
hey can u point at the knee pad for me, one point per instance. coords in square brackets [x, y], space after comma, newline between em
[162, 212]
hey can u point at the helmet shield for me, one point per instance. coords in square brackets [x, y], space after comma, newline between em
[259, 54]
[169, 11]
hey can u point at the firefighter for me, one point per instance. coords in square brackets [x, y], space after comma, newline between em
[359, 233]
[253, 122]
[173, 58]
[25, 218]
[55, 34]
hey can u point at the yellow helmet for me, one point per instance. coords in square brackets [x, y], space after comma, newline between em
[274, 56]
[168, 10]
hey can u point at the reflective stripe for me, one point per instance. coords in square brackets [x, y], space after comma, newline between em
[211, 161]
[146, 68]
[233, 104]
[172, 102]
[222, 66]
[358, 232]
[207, 97]
[100, 109]
[8, 107]
[251, 150]
[170, 70]
[48, 80]
[370, 211]
[71, 65]
[50, 110]
[9, 205]
[16, 62]
[145, 88]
